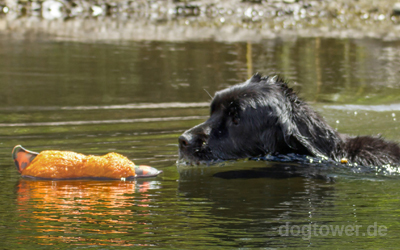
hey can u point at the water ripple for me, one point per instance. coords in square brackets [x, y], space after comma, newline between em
[106, 107]
[74, 123]
[377, 108]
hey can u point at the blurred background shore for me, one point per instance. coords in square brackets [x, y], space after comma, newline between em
[174, 20]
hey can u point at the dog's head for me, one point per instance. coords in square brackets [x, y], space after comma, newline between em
[258, 117]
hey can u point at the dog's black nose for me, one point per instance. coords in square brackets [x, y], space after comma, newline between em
[183, 141]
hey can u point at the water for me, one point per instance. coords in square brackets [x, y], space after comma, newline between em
[136, 98]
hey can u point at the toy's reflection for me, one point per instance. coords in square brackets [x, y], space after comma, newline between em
[62, 210]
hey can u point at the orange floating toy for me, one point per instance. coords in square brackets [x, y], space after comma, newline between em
[58, 165]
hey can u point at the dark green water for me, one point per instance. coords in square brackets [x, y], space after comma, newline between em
[136, 98]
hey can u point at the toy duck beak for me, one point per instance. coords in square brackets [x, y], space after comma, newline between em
[146, 171]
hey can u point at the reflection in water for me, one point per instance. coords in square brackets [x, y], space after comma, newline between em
[256, 203]
[61, 210]
[136, 98]
[120, 75]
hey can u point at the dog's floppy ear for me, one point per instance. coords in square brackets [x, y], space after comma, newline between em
[306, 131]
[302, 144]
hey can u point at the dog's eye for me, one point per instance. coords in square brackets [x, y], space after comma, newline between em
[234, 115]
[235, 120]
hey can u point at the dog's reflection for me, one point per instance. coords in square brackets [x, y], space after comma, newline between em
[264, 192]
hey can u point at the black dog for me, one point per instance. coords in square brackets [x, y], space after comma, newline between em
[263, 116]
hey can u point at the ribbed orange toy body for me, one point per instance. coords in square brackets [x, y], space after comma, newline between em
[69, 165]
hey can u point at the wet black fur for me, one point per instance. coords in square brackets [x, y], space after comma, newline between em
[264, 116]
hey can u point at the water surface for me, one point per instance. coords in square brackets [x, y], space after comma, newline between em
[136, 98]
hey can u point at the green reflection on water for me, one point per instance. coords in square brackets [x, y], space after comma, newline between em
[49, 86]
